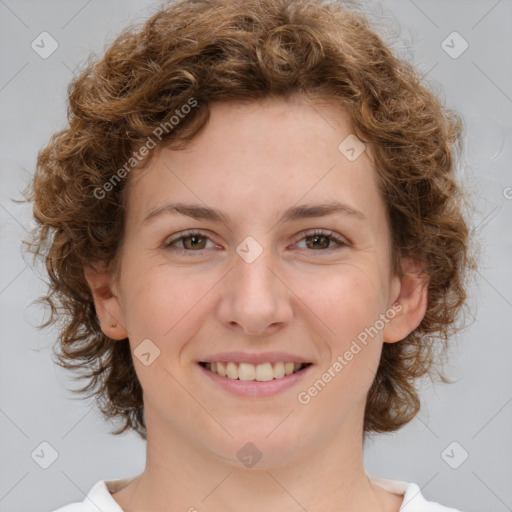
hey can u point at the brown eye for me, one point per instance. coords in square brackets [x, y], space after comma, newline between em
[323, 241]
[194, 242]
[188, 242]
[318, 242]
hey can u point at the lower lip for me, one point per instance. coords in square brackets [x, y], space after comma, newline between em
[254, 388]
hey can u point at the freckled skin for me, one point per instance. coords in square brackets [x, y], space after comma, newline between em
[296, 298]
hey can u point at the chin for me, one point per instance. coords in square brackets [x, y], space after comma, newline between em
[259, 447]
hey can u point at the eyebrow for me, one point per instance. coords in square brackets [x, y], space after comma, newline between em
[294, 213]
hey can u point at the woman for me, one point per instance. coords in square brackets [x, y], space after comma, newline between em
[254, 228]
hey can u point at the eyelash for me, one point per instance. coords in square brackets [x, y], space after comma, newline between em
[315, 232]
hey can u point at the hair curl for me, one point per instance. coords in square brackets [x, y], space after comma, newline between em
[246, 51]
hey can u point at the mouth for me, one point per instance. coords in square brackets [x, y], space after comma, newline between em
[263, 372]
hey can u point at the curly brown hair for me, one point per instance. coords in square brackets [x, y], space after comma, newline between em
[245, 51]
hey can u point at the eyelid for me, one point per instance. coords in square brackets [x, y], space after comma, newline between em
[185, 234]
[323, 232]
[334, 237]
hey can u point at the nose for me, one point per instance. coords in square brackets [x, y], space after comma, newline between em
[255, 297]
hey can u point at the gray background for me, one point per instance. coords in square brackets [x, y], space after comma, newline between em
[475, 412]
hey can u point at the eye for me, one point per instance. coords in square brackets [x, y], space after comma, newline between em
[191, 241]
[320, 240]
[196, 241]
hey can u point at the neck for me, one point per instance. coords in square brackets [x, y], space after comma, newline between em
[187, 476]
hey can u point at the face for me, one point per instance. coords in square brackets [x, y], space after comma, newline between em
[257, 285]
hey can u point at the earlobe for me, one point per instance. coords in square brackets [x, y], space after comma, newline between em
[412, 297]
[106, 301]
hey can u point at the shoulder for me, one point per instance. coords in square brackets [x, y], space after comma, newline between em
[413, 499]
[94, 500]
[99, 497]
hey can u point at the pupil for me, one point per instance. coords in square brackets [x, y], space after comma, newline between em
[317, 237]
[194, 239]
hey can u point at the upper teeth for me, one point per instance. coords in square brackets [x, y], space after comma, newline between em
[247, 371]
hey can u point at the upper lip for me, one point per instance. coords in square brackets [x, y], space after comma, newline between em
[255, 358]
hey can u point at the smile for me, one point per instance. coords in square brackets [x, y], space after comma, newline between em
[250, 372]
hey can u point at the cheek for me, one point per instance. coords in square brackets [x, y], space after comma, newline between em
[349, 304]
[348, 300]
[158, 301]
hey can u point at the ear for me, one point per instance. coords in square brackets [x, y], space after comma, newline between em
[410, 303]
[106, 301]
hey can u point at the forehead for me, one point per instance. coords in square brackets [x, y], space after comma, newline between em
[261, 158]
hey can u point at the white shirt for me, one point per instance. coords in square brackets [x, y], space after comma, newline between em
[101, 499]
